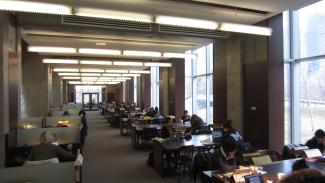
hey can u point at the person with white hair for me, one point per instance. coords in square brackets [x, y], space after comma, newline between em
[46, 150]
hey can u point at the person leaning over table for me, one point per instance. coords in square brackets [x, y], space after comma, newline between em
[224, 158]
[318, 141]
[46, 150]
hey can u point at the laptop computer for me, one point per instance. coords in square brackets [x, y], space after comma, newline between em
[254, 178]
[216, 135]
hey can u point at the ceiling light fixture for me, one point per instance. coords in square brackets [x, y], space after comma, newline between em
[248, 29]
[113, 83]
[122, 78]
[121, 63]
[95, 62]
[35, 7]
[99, 51]
[179, 55]
[118, 80]
[141, 53]
[89, 78]
[90, 74]
[139, 72]
[157, 64]
[101, 44]
[113, 14]
[60, 61]
[75, 82]
[186, 22]
[47, 49]
[117, 71]
[69, 74]
[70, 77]
[91, 70]
[131, 75]
[65, 70]
[111, 74]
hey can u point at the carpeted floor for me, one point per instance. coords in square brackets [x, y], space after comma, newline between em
[109, 157]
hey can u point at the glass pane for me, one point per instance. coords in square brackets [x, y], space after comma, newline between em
[201, 98]
[87, 89]
[287, 104]
[312, 97]
[86, 101]
[210, 102]
[312, 29]
[188, 67]
[94, 101]
[286, 35]
[201, 61]
[188, 94]
[210, 58]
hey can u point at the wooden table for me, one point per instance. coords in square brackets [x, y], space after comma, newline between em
[160, 148]
[272, 170]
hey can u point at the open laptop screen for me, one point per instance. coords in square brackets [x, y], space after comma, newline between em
[254, 178]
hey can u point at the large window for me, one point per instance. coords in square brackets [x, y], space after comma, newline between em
[304, 44]
[80, 89]
[198, 83]
[154, 86]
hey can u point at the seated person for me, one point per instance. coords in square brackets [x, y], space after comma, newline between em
[186, 117]
[197, 123]
[150, 113]
[224, 158]
[66, 113]
[299, 165]
[230, 131]
[46, 150]
[156, 111]
[305, 176]
[318, 141]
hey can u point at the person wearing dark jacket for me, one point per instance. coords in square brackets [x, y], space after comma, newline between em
[318, 141]
[224, 158]
[46, 150]
[186, 117]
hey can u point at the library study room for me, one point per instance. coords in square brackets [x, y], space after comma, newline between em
[162, 91]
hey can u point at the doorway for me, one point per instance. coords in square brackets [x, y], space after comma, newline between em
[90, 101]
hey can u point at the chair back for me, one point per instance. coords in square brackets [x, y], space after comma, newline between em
[149, 132]
[186, 153]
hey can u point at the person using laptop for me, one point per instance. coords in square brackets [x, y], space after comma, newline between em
[318, 141]
[224, 158]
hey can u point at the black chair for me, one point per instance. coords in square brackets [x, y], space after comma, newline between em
[147, 135]
[183, 160]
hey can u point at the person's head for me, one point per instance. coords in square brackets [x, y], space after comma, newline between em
[66, 113]
[227, 126]
[229, 147]
[185, 113]
[299, 165]
[82, 112]
[46, 138]
[320, 136]
[304, 176]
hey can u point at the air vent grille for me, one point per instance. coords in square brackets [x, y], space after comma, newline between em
[106, 23]
[192, 31]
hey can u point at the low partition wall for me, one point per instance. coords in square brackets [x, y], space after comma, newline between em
[70, 121]
[64, 135]
[53, 173]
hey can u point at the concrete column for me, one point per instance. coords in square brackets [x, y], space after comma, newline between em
[64, 91]
[234, 83]
[35, 84]
[57, 90]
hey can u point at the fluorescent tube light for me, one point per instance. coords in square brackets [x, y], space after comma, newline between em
[156, 64]
[47, 49]
[99, 51]
[118, 80]
[65, 70]
[140, 72]
[60, 61]
[95, 62]
[131, 75]
[71, 77]
[186, 22]
[89, 78]
[91, 70]
[90, 74]
[113, 83]
[123, 78]
[112, 14]
[249, 29]
[87, 82]
[69, 74]
[117, 71]
[35, 7]
[104, 80]
[128, 63]
[141, 53]
[75, 82]
[101, 82]
[178, 55]
[111, 74]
